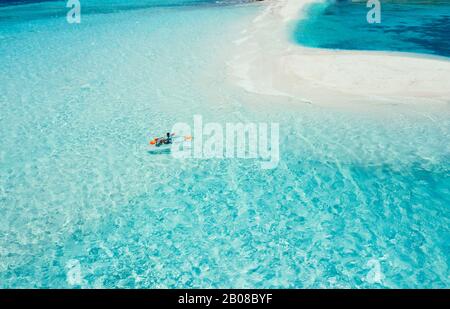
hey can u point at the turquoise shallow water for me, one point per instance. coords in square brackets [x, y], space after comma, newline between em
[359, 199]
[417, 26]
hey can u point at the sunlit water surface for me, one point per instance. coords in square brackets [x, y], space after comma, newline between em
[359, 199]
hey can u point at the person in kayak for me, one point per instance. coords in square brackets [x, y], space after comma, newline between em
[166, 141]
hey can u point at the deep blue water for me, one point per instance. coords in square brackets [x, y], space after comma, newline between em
[413, 26]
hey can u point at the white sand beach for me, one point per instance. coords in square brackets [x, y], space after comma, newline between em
[267, 62]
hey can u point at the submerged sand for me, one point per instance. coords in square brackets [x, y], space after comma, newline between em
[268, 62]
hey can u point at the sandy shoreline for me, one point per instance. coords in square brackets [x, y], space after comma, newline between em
[267, 62]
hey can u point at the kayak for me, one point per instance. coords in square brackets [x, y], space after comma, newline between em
[176, 140]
